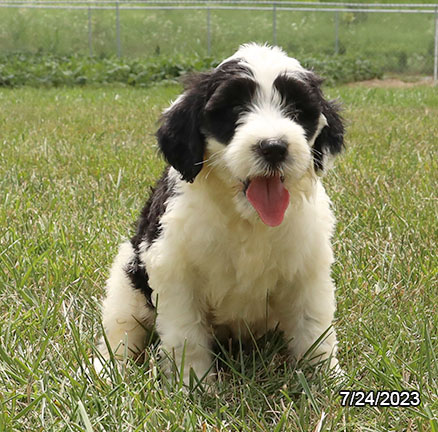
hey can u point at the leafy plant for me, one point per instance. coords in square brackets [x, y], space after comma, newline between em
[51, 70]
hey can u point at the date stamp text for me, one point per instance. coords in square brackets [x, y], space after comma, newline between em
[380, 398]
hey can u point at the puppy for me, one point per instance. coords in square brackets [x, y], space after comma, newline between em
[235, 237]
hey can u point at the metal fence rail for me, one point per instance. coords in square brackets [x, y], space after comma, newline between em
[276, 8]
[217, 5]
[314, 5]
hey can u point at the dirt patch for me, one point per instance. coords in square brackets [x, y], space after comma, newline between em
[394, 83]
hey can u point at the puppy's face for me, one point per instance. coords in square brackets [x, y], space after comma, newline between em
[260, 119]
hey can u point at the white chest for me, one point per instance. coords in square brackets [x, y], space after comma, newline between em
[232, 266]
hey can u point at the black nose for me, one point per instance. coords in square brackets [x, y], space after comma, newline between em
[273, 150]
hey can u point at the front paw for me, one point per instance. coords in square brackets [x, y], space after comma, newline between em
[187, 367]
[336, 369]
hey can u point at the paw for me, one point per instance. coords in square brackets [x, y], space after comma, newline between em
[336, 370]
[104, 368]
[196, 368]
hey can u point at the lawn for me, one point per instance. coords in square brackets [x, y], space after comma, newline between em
[75, 168]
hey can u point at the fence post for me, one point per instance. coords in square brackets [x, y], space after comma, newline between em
[208, 32]
[336, 32]
[90, 33]
[435, 54]
[119, 48]
[274, 23]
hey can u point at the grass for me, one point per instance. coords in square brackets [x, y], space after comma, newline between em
[380, 37]
[75, 168]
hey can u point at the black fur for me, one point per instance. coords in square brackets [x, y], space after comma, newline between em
[226, 106]
[148, 224]
[331, 138]
[148, 229]
[301, 102]
[179, 137]
[304, 102]
[139, 278]
[205, 109]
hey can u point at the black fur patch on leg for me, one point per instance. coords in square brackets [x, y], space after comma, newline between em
[148, 229]
[139, 278]
[148, 224]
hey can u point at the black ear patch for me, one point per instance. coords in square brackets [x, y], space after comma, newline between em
[210, 105]
[226, 105]
[304, 102]
[330, 140]
[179, 137]
[301, 102]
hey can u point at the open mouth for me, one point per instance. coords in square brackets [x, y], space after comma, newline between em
[269, 197]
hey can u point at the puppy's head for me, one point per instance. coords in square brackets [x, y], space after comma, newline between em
[261, 119]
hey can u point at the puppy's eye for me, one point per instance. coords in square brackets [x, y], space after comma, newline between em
[290, 109]
[231, 95]
[238, 109]
[220, 120]
[226, 105]
[230, 110]
[297, 96]
[234, 106]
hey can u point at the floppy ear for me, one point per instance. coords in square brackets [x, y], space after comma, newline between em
[330, 140]
[179, 137]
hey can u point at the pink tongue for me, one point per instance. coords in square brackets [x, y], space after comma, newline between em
[270, 199]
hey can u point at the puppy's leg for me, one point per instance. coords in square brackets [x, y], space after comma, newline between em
[182, 328]
[310, 316]
[125, 315]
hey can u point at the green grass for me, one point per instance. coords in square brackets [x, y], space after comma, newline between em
[75, 168]
[382, 38]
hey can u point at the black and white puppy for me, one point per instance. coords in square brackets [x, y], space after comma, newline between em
[235, 237]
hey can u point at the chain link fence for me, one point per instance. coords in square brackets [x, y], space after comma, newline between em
[399, 38]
